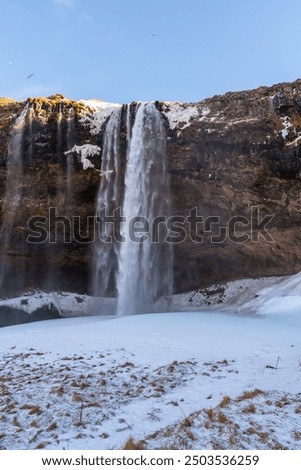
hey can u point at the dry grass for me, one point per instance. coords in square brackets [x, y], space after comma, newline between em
[247, 395]
[251, 431]
[167, 432]
[279, 446]
[52, 427]
[133, 445]
[59, 391]
[224, 362]
[225, 401]
[34, 424]
[190, 434]
[221, 418]
[16, 422]
[9, 408]
[187, 422]
[35, 410]
[42, 445]
[128, 365]
[77, 398]
[5, 101]
[250, 409]
[264, 437]
[210, 413]
[93, 404]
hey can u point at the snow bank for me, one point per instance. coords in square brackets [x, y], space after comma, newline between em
[282, 296]
[262, 296]
[68, 304]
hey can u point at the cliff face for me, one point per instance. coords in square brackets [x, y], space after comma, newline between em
[233, 160]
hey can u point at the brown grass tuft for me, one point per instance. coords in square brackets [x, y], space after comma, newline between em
[249, 409]
[77, 398]
[60, 391]
[52, 427]
[190, 434]
[133, 445]
[16, 422]
[221, 418]
[34, 424]
[250, 394]
[35, 410]
[42, 445]
[225, 401]
[210, 413]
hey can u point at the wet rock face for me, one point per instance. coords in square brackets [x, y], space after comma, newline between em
[234, 159]
[52, 127]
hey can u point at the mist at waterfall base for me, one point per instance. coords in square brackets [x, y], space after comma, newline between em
[130, 275]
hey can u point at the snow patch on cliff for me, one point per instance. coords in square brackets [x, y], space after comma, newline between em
[295, 142]
[101, 111]
[85, 151]
[179, 114]
[204, 113]
[286, 126]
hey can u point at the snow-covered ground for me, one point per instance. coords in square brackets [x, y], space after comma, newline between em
[211, 379]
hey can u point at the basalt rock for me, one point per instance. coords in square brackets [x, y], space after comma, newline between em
[233, 160]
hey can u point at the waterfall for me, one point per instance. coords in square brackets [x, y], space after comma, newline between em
[144, 270]
[109, 198]
[13, 190]
[59, 132]
[70, 165]
[30, 118]
[137, 271]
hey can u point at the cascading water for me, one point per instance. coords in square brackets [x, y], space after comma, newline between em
[108, 199]
[13, 191]
[70, 166]
[144, 267]
[59, 132]
[137, 271]
[30, 118]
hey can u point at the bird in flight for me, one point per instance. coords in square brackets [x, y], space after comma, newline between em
[154, 35]
[29, 76]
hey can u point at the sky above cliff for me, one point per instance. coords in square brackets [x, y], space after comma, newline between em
[125, 50]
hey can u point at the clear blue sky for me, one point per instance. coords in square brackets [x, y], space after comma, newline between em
[124, 50]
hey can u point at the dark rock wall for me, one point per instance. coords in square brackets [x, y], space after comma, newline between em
[235, 152]
[234, 159]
